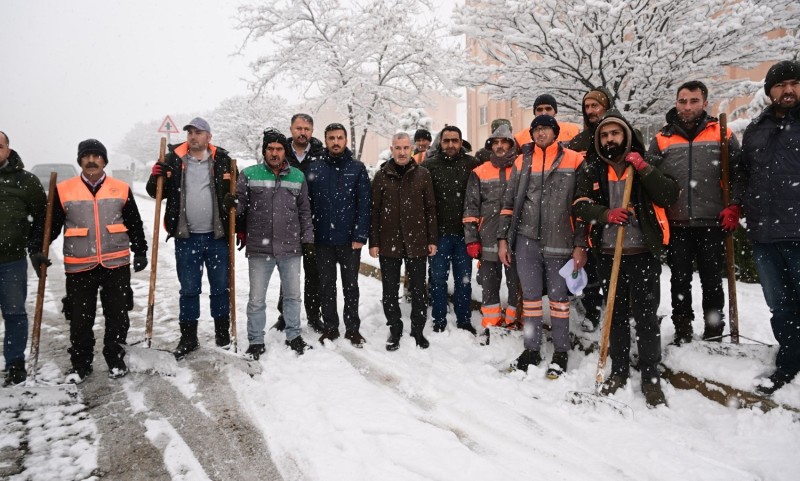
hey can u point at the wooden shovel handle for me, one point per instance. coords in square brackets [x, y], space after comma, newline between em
[151, 296]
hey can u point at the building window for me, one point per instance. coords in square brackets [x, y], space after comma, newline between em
[483, 115]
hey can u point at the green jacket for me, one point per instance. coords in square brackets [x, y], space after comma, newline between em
[22, 208]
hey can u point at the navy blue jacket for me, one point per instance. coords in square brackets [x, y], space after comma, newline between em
[340, 196]
[768, 180]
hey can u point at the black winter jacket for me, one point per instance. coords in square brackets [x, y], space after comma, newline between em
[22, 209]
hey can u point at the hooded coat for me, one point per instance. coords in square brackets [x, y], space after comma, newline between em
[584, 141]
[22, 210]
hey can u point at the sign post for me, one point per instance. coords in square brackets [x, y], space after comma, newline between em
[168, 127]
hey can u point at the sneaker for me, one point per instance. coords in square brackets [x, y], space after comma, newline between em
[393, 342]
[528, 358]
[653, 395]
[329, 336]
[558, 365]
[767, 386]
[118, 370]
[280, 325]
[439, 327]
[613, 384]
[298, 345]
[254, 351]
[78, 375]
[469, 328]
[355, 338]
[16, 374]
[316, 325]
[422, 343]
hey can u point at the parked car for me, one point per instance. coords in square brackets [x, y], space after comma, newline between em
[64, 172]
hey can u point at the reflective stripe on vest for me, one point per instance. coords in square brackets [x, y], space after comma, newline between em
[94, 232]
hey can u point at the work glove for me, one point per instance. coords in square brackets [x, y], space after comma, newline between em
[160, 169]
[636, 160]
[229, 201]
[37, 259]
[617, 216]
[308, 249]
[729, 217]
[139, 263]
[474, 249]
[241, 240]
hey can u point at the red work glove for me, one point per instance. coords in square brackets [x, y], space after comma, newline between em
[474, 249]
[241, 240]
[729, 217]
[618, 216]
[636, 160]
[159, 169]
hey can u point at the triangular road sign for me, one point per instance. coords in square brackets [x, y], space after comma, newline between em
[168, 126]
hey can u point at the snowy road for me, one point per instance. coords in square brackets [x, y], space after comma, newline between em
[340, 413]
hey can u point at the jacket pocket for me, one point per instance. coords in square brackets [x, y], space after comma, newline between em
[76, 232]
[116, 228]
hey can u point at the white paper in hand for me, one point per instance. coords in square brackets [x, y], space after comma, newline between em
[576, 281]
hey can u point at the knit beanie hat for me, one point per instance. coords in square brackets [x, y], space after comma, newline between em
[546, 99]
[547, 121]
[270, 136]
[598, 96]
[422, 134]
[92, 146]
[781, 71]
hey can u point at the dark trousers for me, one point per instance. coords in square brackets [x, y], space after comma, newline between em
[310, 289]
[592, 294]
[349, 260]
[114, 286]
[638, 296]
[705, 246]
[390, 277]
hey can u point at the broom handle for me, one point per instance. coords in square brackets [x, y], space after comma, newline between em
[730, 265]
[232, 257]
[37, 316]
[151, 296]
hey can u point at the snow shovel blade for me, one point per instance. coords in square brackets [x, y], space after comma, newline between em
[223, 357]
[600, 402]
[150, 361]
[23, 396]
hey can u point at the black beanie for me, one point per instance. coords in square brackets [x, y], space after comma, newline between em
[92, 146]
[781, 71]
[547, 121]
[545, 99]
[272, 135]
[422, 134]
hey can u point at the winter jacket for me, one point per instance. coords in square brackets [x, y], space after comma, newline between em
[450, 176]
[22, 209]
[652, 192]
[567, 131]
[403, 219]
[315, 150]
[540, 193]
[340, 193]
[77, 206]
[584, 142]
[175, 212]
[768, 177]
[274, 211]
[695, 163]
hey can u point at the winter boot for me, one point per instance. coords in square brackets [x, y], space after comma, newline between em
[528, 358]
[591, 321]
[15, 374]
[255, 351]
[395, 333]
[355, 338]
[683, 330]
[653, 395]
[222, 332]
[316, 325]
[439, 327]
[486, 337]
[78, 374]
[715, 326]
[188, 341]
[329, 336]
[117, 369]
[771, 384]
[469, 328]
[613, 384]
[422, 343]
[558, 365]
[298, 345]
[280, 325]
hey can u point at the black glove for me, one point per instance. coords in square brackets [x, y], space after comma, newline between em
[37, 260]
[308, 249]
[229, 202]
[139, 263]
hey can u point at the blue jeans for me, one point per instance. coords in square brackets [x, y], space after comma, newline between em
[13, 291]
[778, 266]
[191, 255]
[261, 268]
[451, 250]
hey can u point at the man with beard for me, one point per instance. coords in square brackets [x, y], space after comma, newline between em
[767, 188]
[101, 227]
[450, 168]
[546, 104]
[536, 235]
[303, 150]
[340, 205]
[601, 183]
[690, 146]
[485, 189]
[403, 230]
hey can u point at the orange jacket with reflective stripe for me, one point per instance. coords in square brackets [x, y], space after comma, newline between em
[485, 189]
[567, 131]
[94, 232]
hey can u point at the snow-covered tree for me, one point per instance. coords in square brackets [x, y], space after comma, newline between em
[370, 59]
[141, 142]
[641, 50]
[238, 123]
[414, 119]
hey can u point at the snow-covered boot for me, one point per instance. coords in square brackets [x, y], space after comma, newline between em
[653, 395]
[298, 345]
[422, 343]
[188, 341]
[558, 365]
[395, 333]
[254, 351]
[528, 358]
[683, 330]
[222, 331]
[16, 374]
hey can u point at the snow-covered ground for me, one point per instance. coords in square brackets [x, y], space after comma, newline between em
[449, 412]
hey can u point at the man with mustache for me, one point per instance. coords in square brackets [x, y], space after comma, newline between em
[196, 177]
[101, 227]
[690, 146]
[598, 198]
[767, 190]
